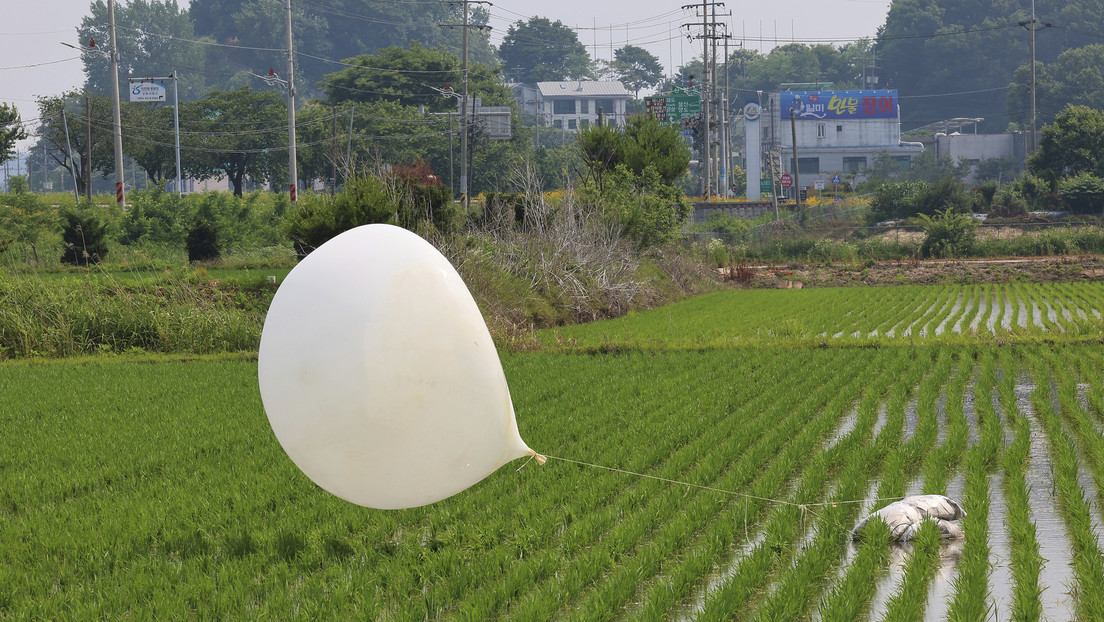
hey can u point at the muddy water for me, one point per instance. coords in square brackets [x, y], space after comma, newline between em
[1022, 321]
[994, 313]
[912, 418]
[1000, 552]
[950, 314]
[941, 591]
[1006, 316]
[983, 306]
[941, 588]
[957, 328]
[1036, 314]
[1054, 542]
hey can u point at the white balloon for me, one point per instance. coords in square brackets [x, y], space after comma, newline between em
[379, 375]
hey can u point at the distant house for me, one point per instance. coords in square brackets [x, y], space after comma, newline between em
[951, 141]
[838, 132]
[576, 104]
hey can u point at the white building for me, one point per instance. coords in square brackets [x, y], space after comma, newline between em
[838, 132]
[576, 104]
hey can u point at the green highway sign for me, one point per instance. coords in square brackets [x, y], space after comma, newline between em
[681, 107]
[673, 108]
[765, 186]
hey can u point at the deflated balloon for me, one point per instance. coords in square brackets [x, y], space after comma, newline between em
[379, 376]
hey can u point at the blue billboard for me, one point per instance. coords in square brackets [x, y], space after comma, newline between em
[829, 105]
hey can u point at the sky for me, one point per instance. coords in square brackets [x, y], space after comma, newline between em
[33, 62]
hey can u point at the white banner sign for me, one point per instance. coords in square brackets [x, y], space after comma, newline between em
[148, 92]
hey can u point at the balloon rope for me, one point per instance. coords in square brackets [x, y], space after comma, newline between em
[733, 493]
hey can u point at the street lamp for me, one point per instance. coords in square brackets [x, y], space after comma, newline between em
[113, 55]
[274, 79]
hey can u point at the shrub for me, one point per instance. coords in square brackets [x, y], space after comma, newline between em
[1083, 193]
[202, 242]
[948, 234]
[84, 235]
[317, 218]
[1035, 190]
[421, 198]
[946, 195]
[1007, 203]
[895, 200]
[650, 212]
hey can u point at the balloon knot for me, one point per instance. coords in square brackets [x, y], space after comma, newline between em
[539, 458]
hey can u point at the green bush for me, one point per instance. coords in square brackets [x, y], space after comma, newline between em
[895, 200]
[316, 217]
[948, 234]
[1007, 203]
[650, 212]
[1035, 191]
[84, 234]
[1082, 194]
[946, 195]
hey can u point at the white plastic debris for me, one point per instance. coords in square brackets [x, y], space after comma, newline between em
[905, 517]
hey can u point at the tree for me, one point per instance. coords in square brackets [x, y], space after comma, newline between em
[539, 50]
[648, 143]
[11, 130]
[348, 27]
[241, 134]
[409, 77]
[149, 139]
[643, 144]
[637, 68]
[76, 111]
[1073, 79]
[154, 39]
[1071, 145]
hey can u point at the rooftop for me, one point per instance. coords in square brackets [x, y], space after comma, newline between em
[582, 88]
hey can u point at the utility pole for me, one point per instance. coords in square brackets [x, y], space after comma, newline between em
[708, 36]
[797, 179]
[464, 121]
[464, 117]
[1032, 25]
[88, 146]
[118, 131]
[293, 171]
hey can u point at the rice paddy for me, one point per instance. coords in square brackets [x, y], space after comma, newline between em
[768, 423]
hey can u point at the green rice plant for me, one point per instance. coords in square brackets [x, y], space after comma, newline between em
[910, 600]
[661, 597]
[1026, 560]
[1088, 560]
[971, 585]
[622, 583]
[851, 597]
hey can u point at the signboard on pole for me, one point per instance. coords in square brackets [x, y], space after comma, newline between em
[787, 180]
[818, 184]
[148, 91]
[675, 108]
[655, 108]
[831, 105]
[765, 185]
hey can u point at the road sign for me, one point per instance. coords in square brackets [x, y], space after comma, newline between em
[655, 108]
[787, 180]
[147, 91]
[818, 184]
[835, 178]
[675, 108]
[682, 106]
[765, 186]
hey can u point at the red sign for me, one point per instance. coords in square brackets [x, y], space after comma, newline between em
[787, 181]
